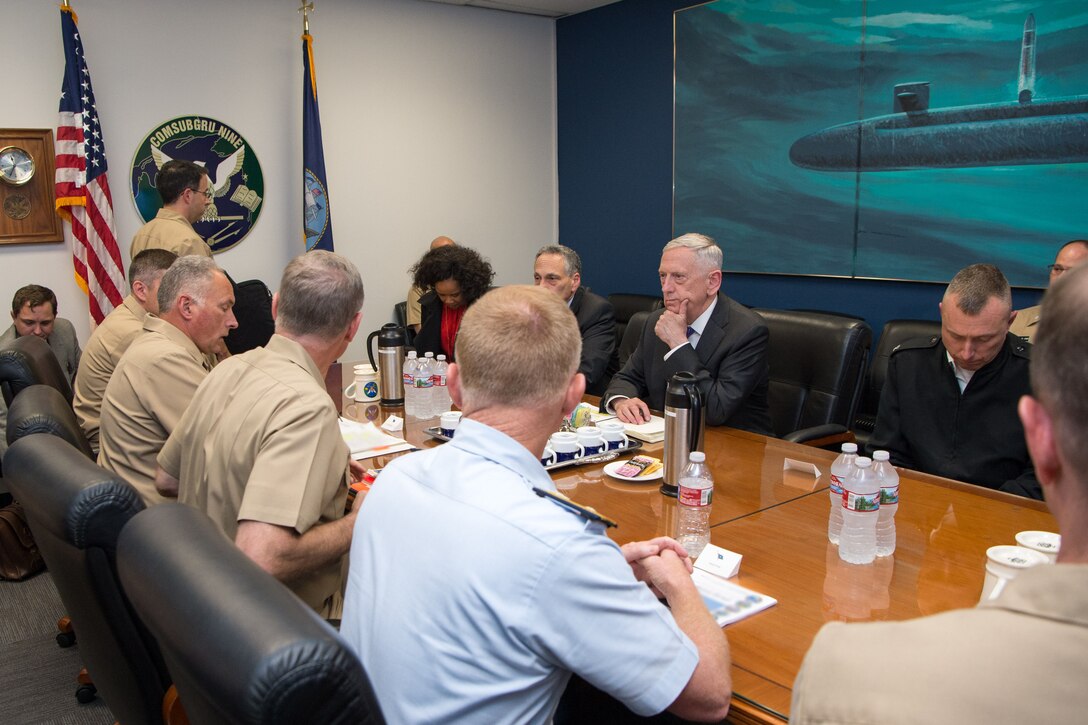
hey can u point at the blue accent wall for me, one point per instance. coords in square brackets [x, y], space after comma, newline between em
[614, 69]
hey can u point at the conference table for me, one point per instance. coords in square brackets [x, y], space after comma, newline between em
[776, 518]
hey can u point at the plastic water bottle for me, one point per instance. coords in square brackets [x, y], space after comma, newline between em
[693, 505]
[889, 503]
[439, 391]
[424, 386]
[840, 469]
[409, 375]
[860, 511]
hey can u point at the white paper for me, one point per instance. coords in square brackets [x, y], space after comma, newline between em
[729, 602]
[789, 464]
[366, 441]
[718, 561]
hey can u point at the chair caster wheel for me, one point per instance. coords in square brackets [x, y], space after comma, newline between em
[66, 639]
[86, 693]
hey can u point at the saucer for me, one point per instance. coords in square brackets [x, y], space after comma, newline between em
[612, 468]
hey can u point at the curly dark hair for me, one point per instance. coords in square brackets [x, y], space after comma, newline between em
[472, 272]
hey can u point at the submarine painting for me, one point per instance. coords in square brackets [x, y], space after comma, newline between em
[901, 143]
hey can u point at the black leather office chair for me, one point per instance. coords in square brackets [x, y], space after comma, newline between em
[400, 316]
[626, 305]
[76, 511]
[26, 361]
[894, 334]
[42, 409]
[242, 648]
[817, 369]
[631, 334]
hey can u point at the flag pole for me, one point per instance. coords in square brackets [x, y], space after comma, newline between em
[304, 7]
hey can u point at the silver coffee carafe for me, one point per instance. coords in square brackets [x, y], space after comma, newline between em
[390, 363]
[684, 422]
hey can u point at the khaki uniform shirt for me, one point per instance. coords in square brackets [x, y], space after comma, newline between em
[1026, 323]
[107, 344]
[261, 441]
[172, 232]
[145, 398]
[413, 314]
[1017, 659]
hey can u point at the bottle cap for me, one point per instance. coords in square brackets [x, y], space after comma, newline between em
[863, 462]
[881, 455]
[441, 357]
[412, 353]
[696, 456]
[849, 447]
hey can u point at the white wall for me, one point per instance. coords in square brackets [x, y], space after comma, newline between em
[437, 119]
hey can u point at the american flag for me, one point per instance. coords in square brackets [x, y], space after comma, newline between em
[82, 189]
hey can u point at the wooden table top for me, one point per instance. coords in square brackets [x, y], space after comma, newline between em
[778, 521]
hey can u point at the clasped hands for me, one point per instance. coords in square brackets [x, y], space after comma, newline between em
[661, 563]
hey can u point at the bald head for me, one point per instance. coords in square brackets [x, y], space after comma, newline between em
[1070, 255]
[441, 242]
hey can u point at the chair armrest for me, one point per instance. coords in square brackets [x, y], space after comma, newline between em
[822, 436]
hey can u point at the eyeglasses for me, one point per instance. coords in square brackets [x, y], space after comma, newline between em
[1057, 269]
[207, 192]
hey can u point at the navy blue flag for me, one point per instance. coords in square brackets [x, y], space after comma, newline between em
[316, 214]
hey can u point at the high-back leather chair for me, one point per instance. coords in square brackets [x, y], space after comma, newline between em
[26, 361]
[895, 333]
[76, 511]
[42, 409]
[817, 368]
[631, 335]
[626, 305]
[242, 648]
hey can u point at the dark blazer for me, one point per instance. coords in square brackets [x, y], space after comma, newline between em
[925, 423]
[429, 337]
[597, 323]
[730, 365]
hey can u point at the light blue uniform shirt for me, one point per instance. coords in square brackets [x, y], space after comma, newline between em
[472, 599]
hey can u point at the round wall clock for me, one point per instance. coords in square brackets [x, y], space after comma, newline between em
[16, 165]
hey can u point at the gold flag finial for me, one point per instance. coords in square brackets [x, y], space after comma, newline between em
[306, 8]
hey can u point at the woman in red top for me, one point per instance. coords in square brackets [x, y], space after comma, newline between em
[456, 277]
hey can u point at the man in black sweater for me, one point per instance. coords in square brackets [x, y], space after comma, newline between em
[949, 404]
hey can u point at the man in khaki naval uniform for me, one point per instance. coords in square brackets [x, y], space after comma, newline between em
[110, 339]
[259, 449]
[1016, 658]
[159, 373]
[1070, 255]
[186, 194]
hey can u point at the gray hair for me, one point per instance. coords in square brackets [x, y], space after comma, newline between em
[1059, 371]
[190, 275]
[518, 346]
[319, 295]
[975, 285]
[707, 252]
[572, 263]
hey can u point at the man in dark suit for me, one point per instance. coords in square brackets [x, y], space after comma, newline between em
[559, 269]
[701, 331]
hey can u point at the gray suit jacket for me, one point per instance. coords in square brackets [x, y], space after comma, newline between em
[65, 346]
[730, 365]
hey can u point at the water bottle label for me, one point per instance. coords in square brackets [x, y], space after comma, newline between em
[438, 381]
[836, 484]
[409, 380]
[862, 502]
[889, 496]
[695, 496]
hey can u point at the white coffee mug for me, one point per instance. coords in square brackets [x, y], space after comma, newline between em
[1003, 564]
[449, 422]
[614, 434]
[590, 438]
[566, 447]
[364, 388]
[1046, 543]
[548, 458]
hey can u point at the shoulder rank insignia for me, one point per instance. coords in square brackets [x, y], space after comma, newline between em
[563, 502]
